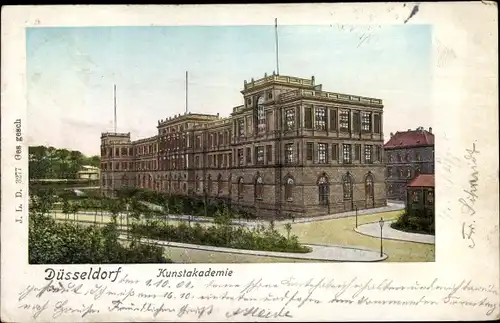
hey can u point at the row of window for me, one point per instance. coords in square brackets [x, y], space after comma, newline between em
[177, 128]
[289, 182]
[406, 156]
[142, 165]
[173, 142]
[403, 172]
[319, 153]
[220, 138]
[361, 121]
[350, 153]
[420, 196]
[129, 151]
[264, 123]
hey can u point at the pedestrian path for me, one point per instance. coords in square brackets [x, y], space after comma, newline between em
[373, 230]
[333, 253]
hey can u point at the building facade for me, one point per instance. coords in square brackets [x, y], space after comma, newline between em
[420, 196]
[290, 150]
[88, 172]
[408, 154]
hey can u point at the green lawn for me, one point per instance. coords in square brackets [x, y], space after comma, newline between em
[341, 232]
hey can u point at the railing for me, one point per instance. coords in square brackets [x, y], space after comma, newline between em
[118, 134]
[328, 95]
[279, 78]
[238, 109]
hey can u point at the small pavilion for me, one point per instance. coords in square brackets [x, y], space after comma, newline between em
[420, 196]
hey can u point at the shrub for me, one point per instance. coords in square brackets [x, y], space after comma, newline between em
[419, 222]
[51, 242]
[221, 234]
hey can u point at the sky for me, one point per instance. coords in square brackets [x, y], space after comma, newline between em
[71, 72]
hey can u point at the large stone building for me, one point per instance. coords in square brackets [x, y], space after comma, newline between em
[407, 153]
[290, 150]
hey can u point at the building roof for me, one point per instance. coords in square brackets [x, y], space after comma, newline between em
[422, 180]
[410, 138]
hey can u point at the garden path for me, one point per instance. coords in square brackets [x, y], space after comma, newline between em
[319, 252]
[373, 230]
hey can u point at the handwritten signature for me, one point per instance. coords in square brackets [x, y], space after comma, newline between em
[468, 203]
[468, 231]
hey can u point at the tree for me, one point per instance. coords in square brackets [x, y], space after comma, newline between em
[115, 207]
[288, 228]
[75, 207]
[51, 163]
[66, 208]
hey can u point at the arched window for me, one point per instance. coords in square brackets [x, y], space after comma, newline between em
[199, 184]
[347, 186]
[209, 184]
[289, 182]
[430, 196]
[418, 169]
[229, 185]
[415, 197]
[219, 184]
[259, 187]
[369, 186]
[323, 190]
[261, 115]
[241, 187]
[369, 190]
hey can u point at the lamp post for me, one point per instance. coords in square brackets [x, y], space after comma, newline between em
[356, 216]
[126, 214]
[381, 223]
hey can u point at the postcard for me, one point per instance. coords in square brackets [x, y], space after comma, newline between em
[305, 162]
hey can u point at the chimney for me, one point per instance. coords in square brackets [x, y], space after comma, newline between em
[392, 134]
[430, 129]
[217, 115]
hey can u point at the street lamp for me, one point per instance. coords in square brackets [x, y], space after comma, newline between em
[381, 223]
[356, 216]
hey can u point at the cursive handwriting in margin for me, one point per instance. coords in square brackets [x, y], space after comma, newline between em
[469, 200]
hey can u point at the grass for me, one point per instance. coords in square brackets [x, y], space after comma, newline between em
[341, 232]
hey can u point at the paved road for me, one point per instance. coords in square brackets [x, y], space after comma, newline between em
[373, 230]
[319, 252]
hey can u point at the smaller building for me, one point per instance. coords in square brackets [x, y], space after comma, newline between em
[89, 172]
[420, 196]
[408, 154]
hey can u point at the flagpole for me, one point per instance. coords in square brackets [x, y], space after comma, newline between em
[114, 97]
[277, 50]
[186, 92]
